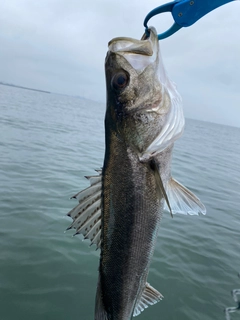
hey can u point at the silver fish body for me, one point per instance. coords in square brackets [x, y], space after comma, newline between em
[132, 208]
[121, 211]
[132, 203]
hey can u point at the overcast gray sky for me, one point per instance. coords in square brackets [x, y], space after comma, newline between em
[60, 46]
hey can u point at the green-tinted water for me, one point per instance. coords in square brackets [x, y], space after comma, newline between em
[47, 144]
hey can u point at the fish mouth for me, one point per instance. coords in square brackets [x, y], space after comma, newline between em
[139, 53]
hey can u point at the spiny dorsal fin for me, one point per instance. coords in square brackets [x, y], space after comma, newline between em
[87, 214]
[182, 200]
[96, 185]
[94, 179]
[149, 297]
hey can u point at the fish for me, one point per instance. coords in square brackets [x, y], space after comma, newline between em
[121, 210]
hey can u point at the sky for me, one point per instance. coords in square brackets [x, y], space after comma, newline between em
[60, 46]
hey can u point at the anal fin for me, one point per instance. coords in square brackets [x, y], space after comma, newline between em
[149, 297]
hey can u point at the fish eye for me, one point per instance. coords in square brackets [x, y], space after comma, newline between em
[120, 80]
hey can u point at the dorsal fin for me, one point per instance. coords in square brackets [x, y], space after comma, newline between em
[149, 297]
[100, 312]
[87, 214]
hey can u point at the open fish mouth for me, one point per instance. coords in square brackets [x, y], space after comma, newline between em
[129, 45]
[139, 53]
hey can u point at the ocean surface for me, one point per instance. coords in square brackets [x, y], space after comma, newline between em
[48, 143]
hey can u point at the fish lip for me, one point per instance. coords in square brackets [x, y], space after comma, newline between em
[146, 46]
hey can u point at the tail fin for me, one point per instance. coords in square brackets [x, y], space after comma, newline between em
[100, 313]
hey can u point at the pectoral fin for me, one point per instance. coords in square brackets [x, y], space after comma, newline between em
[149, 297]
[182, 200]
[87, 214]
[159, 183]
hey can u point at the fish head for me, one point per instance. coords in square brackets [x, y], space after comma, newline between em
[138, 97]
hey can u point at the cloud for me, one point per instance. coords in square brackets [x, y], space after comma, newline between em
[60, 46]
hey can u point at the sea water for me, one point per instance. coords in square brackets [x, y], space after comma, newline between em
[48, 143]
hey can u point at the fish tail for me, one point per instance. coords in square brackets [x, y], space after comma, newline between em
[100, 313]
